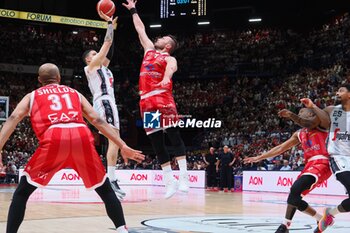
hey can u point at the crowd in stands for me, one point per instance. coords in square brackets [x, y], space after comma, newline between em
[41, 44]
[299, 65]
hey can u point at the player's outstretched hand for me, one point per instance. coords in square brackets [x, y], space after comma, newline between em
[307, 102]
[114, 22]
[105, 17]
[285, 113]
[251, 160]
[129, 153]
[131, 4]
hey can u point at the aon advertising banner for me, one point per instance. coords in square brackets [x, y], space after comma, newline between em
[128, 177]
[270, 181]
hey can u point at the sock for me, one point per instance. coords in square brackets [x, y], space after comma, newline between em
[317, 216]
[111, 173]
[122, 229]
[168, 173]
[182, 165]
[287, 222]
[166, 169]
[334, 211]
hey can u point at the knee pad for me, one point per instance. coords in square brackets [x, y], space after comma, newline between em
[302, 205]
[294, 200]
[294, 197]
[346, 204]
[299, 186]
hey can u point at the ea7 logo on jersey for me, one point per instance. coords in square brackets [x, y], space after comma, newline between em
[63, 117]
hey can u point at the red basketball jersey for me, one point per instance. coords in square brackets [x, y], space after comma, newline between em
[54, 104]
[152, 72]
[313, 142]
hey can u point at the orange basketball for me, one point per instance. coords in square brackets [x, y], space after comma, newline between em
[106, 6]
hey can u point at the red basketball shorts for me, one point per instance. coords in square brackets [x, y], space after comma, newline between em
[165, 104]
[66, 148]
[319, 169]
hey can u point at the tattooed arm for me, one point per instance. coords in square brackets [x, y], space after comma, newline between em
[308, 123]
[100, 57]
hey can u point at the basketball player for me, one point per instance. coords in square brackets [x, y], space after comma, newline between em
[100, 80]
[336, 118]
[316, 169]
[155, 84]
[56, 113]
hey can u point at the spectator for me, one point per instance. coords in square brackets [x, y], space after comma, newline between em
[11, 173]
[277, 166]
[286, 166]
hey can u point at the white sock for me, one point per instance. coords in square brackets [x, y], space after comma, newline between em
[168, 173]
[317, 216]
[287, 222]
[122, 229]
[334, 211]
[182, 165]
[111, 173]
[166, 169]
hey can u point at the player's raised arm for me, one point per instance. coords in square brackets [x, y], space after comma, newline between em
[277, 150]
[139, 26]
[307, 123]
[101, 56]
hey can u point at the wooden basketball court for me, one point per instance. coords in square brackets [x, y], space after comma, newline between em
[72, 209]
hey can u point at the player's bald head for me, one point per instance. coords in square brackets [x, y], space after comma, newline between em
[307, 114]
[49, 73]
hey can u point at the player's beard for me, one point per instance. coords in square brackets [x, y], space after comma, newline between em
[157, 47]
[337, 101]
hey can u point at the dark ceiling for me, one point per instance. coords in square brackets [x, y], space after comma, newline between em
[222, 14]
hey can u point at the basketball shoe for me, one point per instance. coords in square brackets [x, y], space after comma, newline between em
[119, 192]
[282, 229]
[326, 221]
[183, 182]
[171, 186]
